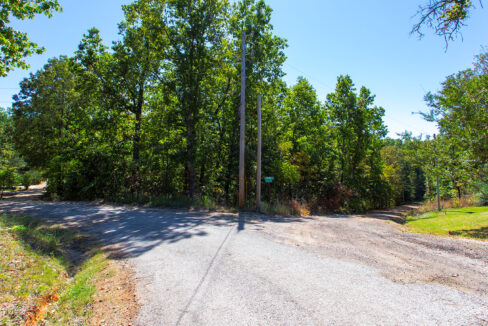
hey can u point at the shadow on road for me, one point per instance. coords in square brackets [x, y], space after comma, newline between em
[397, 214]
[130, 231]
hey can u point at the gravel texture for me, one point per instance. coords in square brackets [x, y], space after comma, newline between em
[223, 269]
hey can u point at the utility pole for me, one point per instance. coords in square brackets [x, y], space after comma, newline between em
[242, 151]
[437, 177]
[258, 177]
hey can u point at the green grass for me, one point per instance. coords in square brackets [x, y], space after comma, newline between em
[469, 222]
[37, 261]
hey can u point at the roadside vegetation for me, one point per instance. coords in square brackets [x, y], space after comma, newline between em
[153, 119]
[468, 222]
[47, 273]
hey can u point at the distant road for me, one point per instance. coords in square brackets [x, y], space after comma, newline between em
[222, 269]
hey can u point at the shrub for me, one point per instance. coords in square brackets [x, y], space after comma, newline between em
[482, 193]
[26, 180]
[7, 179]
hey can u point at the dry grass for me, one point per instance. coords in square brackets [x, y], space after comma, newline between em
[286, 209]
[431, 205]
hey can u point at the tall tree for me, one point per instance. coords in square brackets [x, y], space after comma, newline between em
[195, 32]
[135, 68]
[461, 109]
[42, 112]
[303, 145]
[359, 129]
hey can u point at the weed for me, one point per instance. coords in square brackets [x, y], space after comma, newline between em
[35, 264]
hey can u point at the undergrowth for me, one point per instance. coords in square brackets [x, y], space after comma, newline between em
[431, 205]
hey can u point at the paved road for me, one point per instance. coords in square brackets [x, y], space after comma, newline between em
[219, 269]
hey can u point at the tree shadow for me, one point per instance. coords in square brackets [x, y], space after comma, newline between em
[480, 233]
[69, 247]
[398, 214]
[129, 231]
[256, 219]
[125, 231]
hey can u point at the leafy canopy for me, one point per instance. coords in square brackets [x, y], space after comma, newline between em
[15, 45]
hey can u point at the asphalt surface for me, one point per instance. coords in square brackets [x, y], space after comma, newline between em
[222, 269]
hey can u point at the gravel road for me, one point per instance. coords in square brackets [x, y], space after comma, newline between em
[225, 269]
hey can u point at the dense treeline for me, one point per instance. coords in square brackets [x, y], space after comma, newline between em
[157, 116]
[460, 110]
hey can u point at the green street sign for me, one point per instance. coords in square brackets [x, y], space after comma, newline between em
[268, 179]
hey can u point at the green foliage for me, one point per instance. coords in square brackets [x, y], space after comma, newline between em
[482, 193]
[459, 155]
[7, 178]
[358, 129]
[15, 45]
[11, 165]
[155, 120]
[405, 169]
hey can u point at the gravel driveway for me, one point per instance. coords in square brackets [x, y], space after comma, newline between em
[224, 269]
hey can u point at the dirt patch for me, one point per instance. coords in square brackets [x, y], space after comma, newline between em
[401, 256]
[115, 302]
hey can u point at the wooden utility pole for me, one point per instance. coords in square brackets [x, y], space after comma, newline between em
[258, 177]
[242, 151]
[439, 208]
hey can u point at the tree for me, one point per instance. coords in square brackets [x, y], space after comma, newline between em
[359, 129]
[445, 17]
[157, 116]
[195, 32]
[134, 70]
[10, 162]
[15, 45]
[461, 110]
[304, 142]
[42, 112]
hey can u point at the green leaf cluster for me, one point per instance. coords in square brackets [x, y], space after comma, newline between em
[16, 45]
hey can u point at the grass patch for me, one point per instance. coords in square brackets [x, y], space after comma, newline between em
[46, 272]
[468, 222]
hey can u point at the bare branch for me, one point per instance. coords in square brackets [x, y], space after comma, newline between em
[445, 17]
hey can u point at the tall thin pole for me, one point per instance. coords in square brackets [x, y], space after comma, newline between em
[437, 177]
[258, 177]
[242, 151]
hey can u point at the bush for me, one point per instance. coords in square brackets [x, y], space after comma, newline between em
[333, 197]
[482, 194]
[292, 208]
[356, 204]
[7, 179]
[26, 180]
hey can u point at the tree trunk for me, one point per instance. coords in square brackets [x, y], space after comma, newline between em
[342, 160]
[190, 159]
[202, 175]
[137, 138]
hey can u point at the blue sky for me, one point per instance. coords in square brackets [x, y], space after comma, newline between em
[367, 39]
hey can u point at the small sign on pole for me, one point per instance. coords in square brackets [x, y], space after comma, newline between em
[269, 181]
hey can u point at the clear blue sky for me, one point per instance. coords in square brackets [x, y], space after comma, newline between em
[367, 39]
